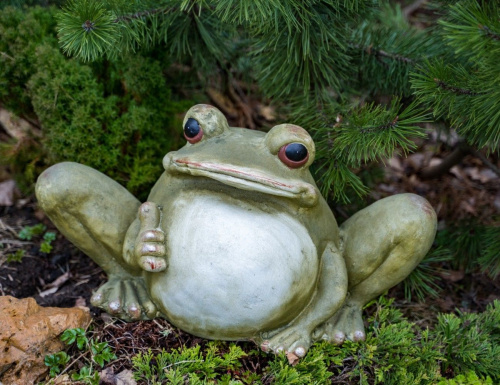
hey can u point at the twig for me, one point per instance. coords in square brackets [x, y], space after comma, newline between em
[71, 364]
[455, 157]
[486, 161]
[244, 108]
[394, 56]
[7, 56]
[457, 90]
[385, 126]
[139, 15]
[490, 33]
[451, 160]
[16, 242]
[411, 8]
[181, 362]
[381, 53]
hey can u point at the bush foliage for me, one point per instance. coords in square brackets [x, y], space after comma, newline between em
[116, 116]
[461, 348]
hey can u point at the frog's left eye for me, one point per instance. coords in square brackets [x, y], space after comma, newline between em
[294, 155]
[192, 131]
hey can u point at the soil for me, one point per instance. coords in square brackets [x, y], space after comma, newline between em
[32, 276]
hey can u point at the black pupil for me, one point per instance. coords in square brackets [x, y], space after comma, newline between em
[191, 128]
[296, 152]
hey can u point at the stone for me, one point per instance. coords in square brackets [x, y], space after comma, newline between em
[28, 332]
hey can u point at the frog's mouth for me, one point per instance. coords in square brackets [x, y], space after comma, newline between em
[246, 179]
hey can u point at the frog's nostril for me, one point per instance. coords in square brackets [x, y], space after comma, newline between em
[192, 131]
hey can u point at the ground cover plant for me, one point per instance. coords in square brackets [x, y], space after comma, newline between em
[371, 80]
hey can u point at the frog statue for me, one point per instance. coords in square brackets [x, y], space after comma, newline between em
[235, 241]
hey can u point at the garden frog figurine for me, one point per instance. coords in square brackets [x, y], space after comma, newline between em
[235, 241]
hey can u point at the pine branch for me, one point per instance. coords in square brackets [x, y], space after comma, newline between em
[490, 33]
[490, 258]
[472, 29]
[382, 53]
[392, 124]
[387, 48]
[457, 90]
[350, 137]
[485, 161]
[467, 96]
[142, 14]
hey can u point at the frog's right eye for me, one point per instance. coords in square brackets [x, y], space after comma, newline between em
[294, 155]
[192, 131]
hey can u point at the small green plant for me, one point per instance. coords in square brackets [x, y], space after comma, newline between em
[46, 245]
[86, 376]
[56, 362]
[78, 336]
[17, 256]
[469, 378]
[28, 232]
[190, 365]
[92, 352]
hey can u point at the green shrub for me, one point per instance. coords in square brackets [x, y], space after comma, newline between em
[470, 378]
[192, 365]
[119, 117]
[472, 341]
[395, 352]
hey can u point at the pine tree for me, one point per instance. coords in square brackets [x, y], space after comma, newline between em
[317, 57]
[330, 64]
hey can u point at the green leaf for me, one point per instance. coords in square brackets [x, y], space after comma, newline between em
[78, 335]
[28, 232]
[49, 236]
[17, 256]
[56, 362]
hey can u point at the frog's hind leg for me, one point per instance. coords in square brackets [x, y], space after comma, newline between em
[94, 213]
[383, 243]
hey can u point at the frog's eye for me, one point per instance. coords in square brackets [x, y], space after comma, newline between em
[294, 155]
[192, 131]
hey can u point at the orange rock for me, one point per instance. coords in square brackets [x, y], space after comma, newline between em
[28, 332]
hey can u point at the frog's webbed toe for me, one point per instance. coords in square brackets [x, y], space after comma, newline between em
[291, 340]
[347, 324]
[126, 298]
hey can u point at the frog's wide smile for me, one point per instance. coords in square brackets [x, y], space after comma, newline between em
[247, 179]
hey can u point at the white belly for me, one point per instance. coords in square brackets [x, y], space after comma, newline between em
[233, 269]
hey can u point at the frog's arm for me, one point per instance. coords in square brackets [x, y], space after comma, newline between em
[330, 295]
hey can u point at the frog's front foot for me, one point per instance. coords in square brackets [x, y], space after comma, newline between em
[294, 339]
[347, 323]
[150, 245]
[125, 298]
